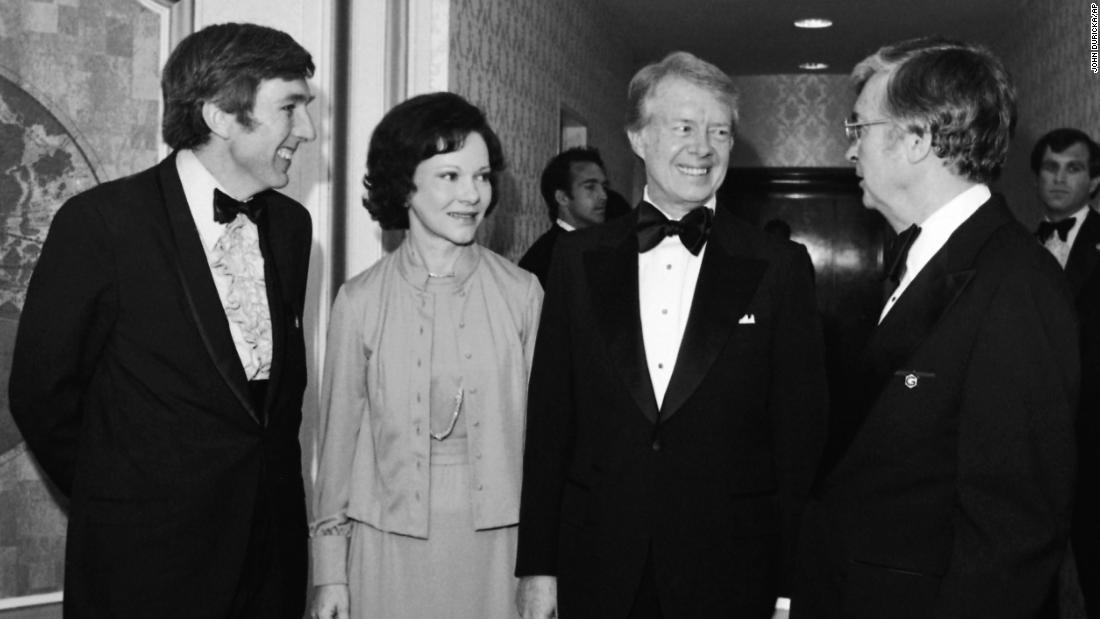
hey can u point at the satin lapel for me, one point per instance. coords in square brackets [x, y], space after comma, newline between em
[726, 285]
[933, 292]
[275, 251]
[612, 271]
[198, 287]
[1084, 255]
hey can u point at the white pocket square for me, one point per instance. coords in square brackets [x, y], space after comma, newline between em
[747, 319]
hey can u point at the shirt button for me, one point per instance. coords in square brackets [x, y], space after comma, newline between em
[461, 325]
[418, 398]
[479, 456]
[473, 389]
[668, 267]
[417, 495]
[418, 430]
[477, 424]
[418, 465]
[421, 329]
[664, 311]
[468, 355]
[418, 363]
[480, 486]
[660, 366]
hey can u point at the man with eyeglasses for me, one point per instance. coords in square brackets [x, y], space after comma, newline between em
[1066, 163]
[949, 497]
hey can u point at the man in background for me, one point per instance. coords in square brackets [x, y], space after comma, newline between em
[1066, 163]
[159, 365]
[574, 187]
[950, 496]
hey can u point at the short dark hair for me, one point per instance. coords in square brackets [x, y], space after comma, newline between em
[224, 64]
[558, 174]
[1061, 139]
[412, 132]
[684, 66]
[959, 92]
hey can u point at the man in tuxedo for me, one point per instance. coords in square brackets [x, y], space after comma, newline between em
[950, 497]
[159, 365]
[668, 455]
[574, 187]
[1066, 163]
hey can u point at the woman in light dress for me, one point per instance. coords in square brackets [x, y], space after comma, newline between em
[424, 392]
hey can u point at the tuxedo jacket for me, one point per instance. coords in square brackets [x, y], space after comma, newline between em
[951, 498]
[537, 258]
[1083, 272]
[711, 493]
[128, 390]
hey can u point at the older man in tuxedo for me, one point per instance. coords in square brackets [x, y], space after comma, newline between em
[668, 454]
[1066, 163]
[159, 365]
[950, 496]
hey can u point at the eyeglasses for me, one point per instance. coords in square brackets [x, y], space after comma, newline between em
[853, 129]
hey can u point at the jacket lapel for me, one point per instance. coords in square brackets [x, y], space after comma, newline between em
[276, 252]
[931, 294]
[726, 285]
[1084, 255]
[198, 287]
[612, 272]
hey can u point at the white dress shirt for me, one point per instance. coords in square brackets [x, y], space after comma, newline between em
[1061, 248]
[934, 232]
[564, 225]
[198, 188]
[666, 285]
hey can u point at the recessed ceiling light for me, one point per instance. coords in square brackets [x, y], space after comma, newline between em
[813, 22]
[813, 66]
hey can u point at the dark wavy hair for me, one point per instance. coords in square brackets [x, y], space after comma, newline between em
[684, 66]
[958, 92]
[412, 132]
[224, 64]
[558, 174]
[1061, 139]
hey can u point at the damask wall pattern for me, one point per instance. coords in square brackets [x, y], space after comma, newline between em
[520, 60]
[1046, 48]
[792, 120]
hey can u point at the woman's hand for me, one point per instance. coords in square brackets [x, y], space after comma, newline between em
[329, 602]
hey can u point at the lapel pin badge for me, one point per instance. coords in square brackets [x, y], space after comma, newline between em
[747, 319]
[297, 322]
[911, 380]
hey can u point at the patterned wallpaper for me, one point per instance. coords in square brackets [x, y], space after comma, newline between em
[1046, 47]
[792, 121]
[521, 60]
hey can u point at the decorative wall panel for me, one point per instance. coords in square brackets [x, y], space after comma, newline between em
[792, 121]
[520, 60]
[79, 104]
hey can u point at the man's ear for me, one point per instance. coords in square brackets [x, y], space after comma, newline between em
[217, 119]
[637, 142]
[1094, 182]
[918, 146]
[561, 198]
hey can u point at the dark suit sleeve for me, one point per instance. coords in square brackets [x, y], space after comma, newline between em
[798, 400]
[1015, 452]
[549, 431]
[64, 324]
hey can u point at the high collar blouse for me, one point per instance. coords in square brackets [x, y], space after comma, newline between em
[375, 409]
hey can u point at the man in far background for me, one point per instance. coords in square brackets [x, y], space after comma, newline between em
[1066, 163]
[574, 186]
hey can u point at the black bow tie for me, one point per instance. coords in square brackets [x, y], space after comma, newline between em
[898, 253]
[653, 227]
[226, 208]
[1048, 228]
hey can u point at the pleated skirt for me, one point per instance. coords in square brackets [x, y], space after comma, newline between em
[457, 573]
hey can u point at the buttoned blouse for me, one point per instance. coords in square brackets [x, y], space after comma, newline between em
[375, 418]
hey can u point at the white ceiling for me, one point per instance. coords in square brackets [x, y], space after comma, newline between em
[753, 37]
